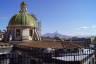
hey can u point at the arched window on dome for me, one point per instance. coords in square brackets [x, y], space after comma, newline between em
[31, 32]
[17, 32]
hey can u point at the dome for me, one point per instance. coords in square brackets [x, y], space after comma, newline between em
[23, 18]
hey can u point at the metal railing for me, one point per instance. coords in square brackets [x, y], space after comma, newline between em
[39, 56]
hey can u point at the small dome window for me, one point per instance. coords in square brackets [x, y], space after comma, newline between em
[31, 32]
[17, 32]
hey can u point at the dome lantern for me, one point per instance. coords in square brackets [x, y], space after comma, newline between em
[23, 7]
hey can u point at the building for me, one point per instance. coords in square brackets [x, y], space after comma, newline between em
[81, 41]
[1, 35]
[5, 50]
[93, 43]
[23, 32]
[23, 26]
[50, 52]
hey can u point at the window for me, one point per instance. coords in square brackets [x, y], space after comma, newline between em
[17, 32]
[30, 32]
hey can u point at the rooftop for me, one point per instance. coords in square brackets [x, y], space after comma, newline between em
[4, 44]
[50, 44]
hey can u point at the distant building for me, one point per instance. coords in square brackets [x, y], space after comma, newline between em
[1, 35]
[93, 43]
[81, 41]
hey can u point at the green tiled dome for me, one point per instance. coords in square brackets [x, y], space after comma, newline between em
[23, 19]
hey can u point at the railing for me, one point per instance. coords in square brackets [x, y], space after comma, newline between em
[86, 56]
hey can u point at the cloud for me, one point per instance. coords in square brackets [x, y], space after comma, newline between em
[84, 27]
[94, 27]
[79, 33]
[88, 27]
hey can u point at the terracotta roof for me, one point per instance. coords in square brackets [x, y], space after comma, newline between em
[51, 44]
[48, 39]
[4, 44]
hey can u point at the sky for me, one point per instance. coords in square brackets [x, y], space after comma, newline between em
[68, 17]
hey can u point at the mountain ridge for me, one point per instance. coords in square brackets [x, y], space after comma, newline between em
[55, 34]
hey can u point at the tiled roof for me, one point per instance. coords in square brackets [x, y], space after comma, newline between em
[4, 44]
[51, 44]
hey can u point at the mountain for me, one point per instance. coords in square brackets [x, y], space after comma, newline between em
[55, 34]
